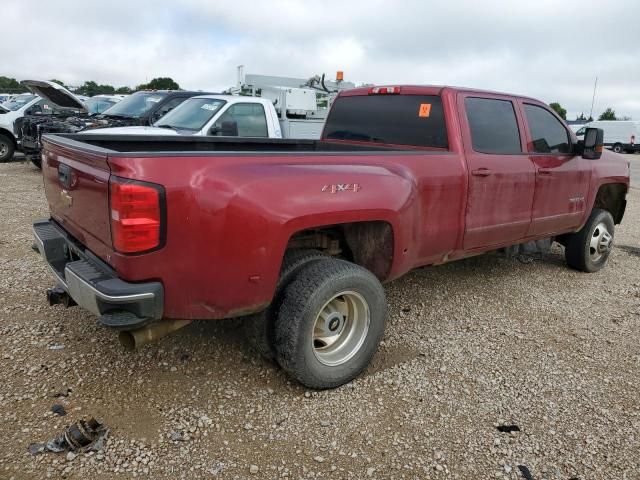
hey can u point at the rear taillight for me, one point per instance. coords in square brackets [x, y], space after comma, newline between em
[137, 211]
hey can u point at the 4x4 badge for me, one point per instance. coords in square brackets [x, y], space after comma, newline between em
[342, 187]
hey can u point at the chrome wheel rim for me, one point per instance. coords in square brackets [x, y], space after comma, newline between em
[4, 149]
[601, 242]
[340, 328]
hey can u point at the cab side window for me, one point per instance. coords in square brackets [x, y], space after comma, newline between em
[493, 125]
[547, 133]
[249, 118]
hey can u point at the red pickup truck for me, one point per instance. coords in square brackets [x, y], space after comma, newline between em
[150, 233]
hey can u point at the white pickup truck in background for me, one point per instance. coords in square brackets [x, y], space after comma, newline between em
[213, 115]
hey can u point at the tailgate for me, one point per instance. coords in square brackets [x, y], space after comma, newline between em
[76, 183]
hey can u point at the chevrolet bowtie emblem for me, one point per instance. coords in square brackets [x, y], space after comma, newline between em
[67, 200]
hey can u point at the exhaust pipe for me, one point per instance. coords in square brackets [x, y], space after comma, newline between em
[132, 339]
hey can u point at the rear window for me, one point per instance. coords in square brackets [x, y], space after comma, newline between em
[392, 119]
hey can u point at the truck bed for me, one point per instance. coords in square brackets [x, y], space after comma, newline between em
[143, 145]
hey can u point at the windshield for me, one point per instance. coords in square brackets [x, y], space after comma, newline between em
[136, 105]
[192, 114]
[18, 102]
[98, 105]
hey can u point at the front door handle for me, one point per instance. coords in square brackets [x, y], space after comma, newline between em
[481, 172]
[545, 171]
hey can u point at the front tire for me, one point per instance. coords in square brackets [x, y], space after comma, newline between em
[588, 250]
[330, 323]
[618, 148]
[7, 148]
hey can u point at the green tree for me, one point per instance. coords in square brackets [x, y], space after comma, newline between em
[583, 118]
[59, 82]
[559, 110]
[160, 83]
[608, 114]
[124, 90]
[91, 88]
[11, 85]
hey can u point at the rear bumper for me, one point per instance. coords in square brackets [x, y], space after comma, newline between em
[94, 285]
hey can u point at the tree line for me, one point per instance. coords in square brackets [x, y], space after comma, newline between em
[91, 88]
[608, 114]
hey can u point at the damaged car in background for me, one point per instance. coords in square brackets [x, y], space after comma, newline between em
[11, 112]
[140, 108]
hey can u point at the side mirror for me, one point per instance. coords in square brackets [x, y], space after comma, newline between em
[593, 143]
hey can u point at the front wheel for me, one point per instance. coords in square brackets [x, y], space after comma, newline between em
[588, 250]
[618, 148]
[6, 148]
[330, 323]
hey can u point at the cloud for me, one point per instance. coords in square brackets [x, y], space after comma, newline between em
[546, 49]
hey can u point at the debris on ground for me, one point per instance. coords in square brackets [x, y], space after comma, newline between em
[84, 435]
[526, 474]
[508, 428]
[58, 409]
[64, 392]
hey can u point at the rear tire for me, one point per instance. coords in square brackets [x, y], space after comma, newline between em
[259, 327]
[618, 148]
[588, 250]
[330, 323]
[7, 148]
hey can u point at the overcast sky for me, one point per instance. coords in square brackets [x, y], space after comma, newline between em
[548, 49]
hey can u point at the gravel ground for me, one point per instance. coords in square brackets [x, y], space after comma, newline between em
[469, 346]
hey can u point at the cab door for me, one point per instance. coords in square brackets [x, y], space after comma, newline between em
[501, 176]
[562, 178]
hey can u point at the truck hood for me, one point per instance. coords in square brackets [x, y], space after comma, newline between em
[54, 93]
[133, 131]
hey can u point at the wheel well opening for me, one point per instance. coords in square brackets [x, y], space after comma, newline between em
[9, 135]
[611, 197]
[368, 244]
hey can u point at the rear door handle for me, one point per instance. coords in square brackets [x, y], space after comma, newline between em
[481, 172]
[545, 171]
